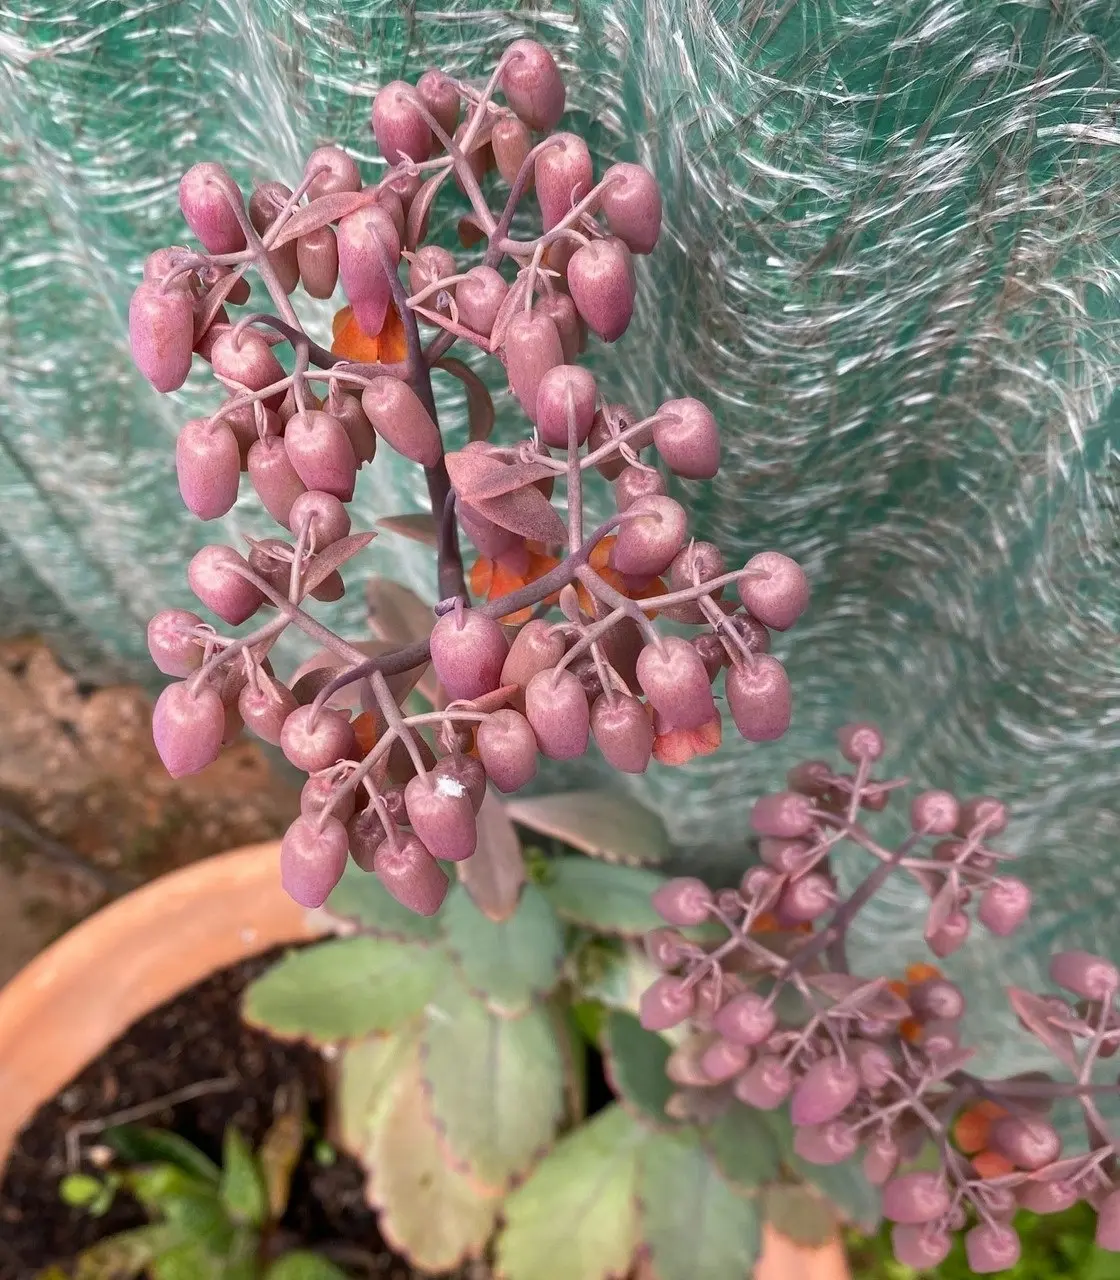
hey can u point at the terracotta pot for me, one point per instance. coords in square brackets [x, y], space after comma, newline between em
[73, 1000]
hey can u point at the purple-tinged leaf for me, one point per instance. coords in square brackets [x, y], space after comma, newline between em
[478, 474]
[873, 998]
[527, 512]
[1038, 1018]
[401, 618]
[321, 213]
[1063, 1170]
[480, 407]
[603, 824]
[419, 527]
[333, 557]
[212, 303]
[495, 875]
[949, 1063]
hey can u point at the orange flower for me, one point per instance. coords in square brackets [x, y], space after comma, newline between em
[918, 973]
[973, 1127]
[990, 1164]
[365, 731]
[911, 1028]
[353, 343]
[768, 923]
[679, 746]
[492, 579]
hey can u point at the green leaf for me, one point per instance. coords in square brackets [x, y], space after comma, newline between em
[510, 963]
[635, 1060]
[429, 1212]
[80, 1190]
[242, 1187]
[160, 1186]
[368, 1071]
[744, 1147]
[135, 1144]
[603, 824]
[303, 1265]
[496, 1086]
[188, 1261]
[614, 973]
[603, 897]
[845, 1187]
[124, 1255]
[798, 1213]
[345, 988]
[694, 1223]
[575, 1217]
[362, 901]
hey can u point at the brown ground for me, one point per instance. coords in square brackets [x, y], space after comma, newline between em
[87, 810]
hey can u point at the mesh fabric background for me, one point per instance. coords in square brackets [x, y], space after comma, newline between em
[890, 263]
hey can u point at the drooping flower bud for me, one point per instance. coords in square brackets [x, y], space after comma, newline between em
[321, 453]
[601, 282]
[556, 707]
[468, 653]
[479, 298]
[765, 1084]
[561, 310]
[317, 261]
[398, 415]
[265, 205]
[208, 465]
[786, 815]
[441, 814]
[564, 175]
[631, 204]
[362, 268]
[565, 388]
[686, 436]
[312, 859]
[674, 679]
[650, 538]
[532, 347]
[411, 875]
[437, 91]
[666, 1003]
[336, 171]
[507, 747]
[775, 590]
[273, 478]
[314, 739]
[265, 709]
[174, 650]
[623, 732]
[399, 127]
[214, 578]
[759, 698]
[248, 360]
[187, 728]
[326, 517]
[511, 142]
[161, 334]
[207, 209]
[532, 84]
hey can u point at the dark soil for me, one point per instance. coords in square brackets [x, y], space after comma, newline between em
[194, 1039]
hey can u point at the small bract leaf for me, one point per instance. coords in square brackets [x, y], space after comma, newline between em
[429, 1212]
[575, 1217]
[242, 1186]
[527, 512]
[603, 897]
[134, 1144]
[695, 1224]
[496, 1086]
[1037, 1017]
[345, 988]
[505, 964]
[362, 900]
[396, 614]
[419, 527]
[744, 1147]
[604, 824]
[368, 1073]
[333, 557]
[494, 876]
[635, 1064]
[321, 212]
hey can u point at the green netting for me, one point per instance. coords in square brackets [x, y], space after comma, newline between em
[890, 262]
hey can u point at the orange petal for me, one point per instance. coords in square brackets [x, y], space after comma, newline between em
[916, 973]
[506, 579]
[601, 553]
[971, 1130]
[679, 746]
[394, 345]
[481, 578]
[990, 1164]
[352, 344]
[910, 1029]
[899, 988]
[365, 731]
[516, 619]
[341, 320]
[766, 923]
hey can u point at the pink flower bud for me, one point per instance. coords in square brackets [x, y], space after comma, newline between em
[765, 1084]
[860, 743]
[532, 347]
[468, 653]
[507, 747]
[264, 709]
[722, 1060]
[825, 1144]
[317, 260]
[411, 875]
[746, 1019]
[991, 1247]
[675, 681]
[760, 699]
[915, 1198]
[322, 792]
[922, 1247]
[1086, 975]
[825, 1090]
[623, 732]
[561, 385]
[601, 282]
[650, 538]
[247, 360]
[561, 310]
[174, 650]
[312, 860]
[985, 811]
[1004, 906]
[696, 563]
[934, 813]
[806, 899]
[321, 454]
[683, 901]
[442, 816]
[399, 127]
[536, 647]
[314, 740]
[465, 771]
[631, 204]
[273, 478]
[327, 519]
[187, 728]
[161, 334]
[564, 175]
[430, 263]
[213, 576]
[785, 815]
[556, 707]
[1029, 1142]
[951, 936]
[635, 483]
[775, 589]
[207, 209]
[348, 410]
[360, 265]
[479, 298]
[437, 91]
[687, 438]
[338, 172]
[511, 142]
[532, 85]
[666, 1003]
[398, 415]
[208, 464]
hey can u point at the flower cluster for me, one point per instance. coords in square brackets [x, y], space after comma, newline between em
[560, 645]
[876, 1068]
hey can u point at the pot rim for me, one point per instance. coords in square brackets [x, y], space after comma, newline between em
[65, 1007]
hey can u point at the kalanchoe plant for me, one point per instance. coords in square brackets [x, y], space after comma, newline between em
[463, 1043]
[872, 1068]
[554, 645]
